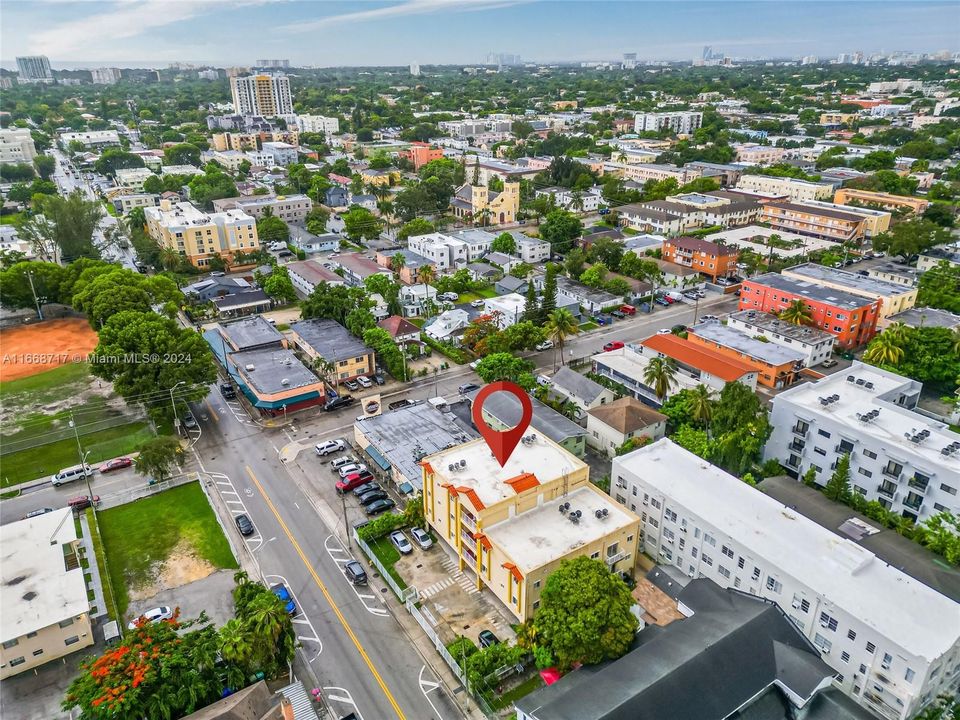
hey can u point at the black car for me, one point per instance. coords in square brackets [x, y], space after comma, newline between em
[379, 506]
[365, 488]
[378, 379]
[355, 573]
[372, 496]
[487, 639]
[396, 405]
[617, 314]
[338, 402]
[226, 389]
[244, 525]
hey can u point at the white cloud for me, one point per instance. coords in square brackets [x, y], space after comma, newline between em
[408, 7]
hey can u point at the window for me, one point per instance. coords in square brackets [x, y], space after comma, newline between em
[682, 543]
[727, 551]
[756, 573]
[655, 503]
[824, 433]
[612, 549]
[37, 653]
[864, 472]
[871, 647]
[740, 563]
[845, 656]
[696, 532]
[655, 522]
[31, 634]
[774, 585]
[805, 605]
[670, 515]
[869, 453]
[536, 584]
[821, 642]
[634, 490]
[710, 540]
[693, 552]
[66, 623]
[852, 635]
[909, 675]
[536, 604]
[707, 559]
[71, 640]
[736, 582]
[10, 643]
[595, 556]
[17, 661]
[819, 451]
[947, 489]
[887, 659]
[893, 468]
[828, 622]
[723, 571]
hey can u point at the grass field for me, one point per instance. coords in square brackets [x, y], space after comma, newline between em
[47, 386]
[477, 295]
[140, 536]
[108, 591]
[11, 218]
[588, 326]
[388, 554]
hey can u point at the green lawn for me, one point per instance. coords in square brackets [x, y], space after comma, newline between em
[11, 218]
[46, 386]
[588, 326]
[109, 595]
[521, 690]
[140, 535]
[47, 459]
[477, 295]
[388, 555]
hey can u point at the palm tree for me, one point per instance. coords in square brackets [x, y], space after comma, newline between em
[660, 374]
[884, 350]
[235, 645]
[796, 313]
[956, 340]
[897, 332]
[560, 324]
[427, 275]
[576, 200]
[397, 262]
[701, 405]
[169, 258]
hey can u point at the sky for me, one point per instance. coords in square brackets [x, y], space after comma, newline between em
[153, 33]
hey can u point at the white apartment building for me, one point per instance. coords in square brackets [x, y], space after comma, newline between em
[586, 201]
[258, 158]
[531, 250]
[906, 461]
[894, 642]
[815, 344]
[788, 187]
[46, 614]
[510, 308]
[91, 138]
[266, 95]
[682, 123]
[450, 251]
[16, 146]
[283, 154]
[105, 76]
[315, 124]
[34, 68]
[133, 178]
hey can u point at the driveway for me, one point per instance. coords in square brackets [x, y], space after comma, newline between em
[212, 594]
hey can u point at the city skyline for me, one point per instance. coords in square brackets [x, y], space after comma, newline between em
[392, 33]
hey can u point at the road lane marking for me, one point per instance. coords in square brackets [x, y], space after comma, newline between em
[426, 693]
[213, 413]
[329, 598]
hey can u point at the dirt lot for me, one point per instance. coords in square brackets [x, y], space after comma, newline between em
[31, 349]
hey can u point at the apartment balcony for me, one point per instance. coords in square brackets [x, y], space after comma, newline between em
[797, 445]
[895, 476]
[887, 489]
[876, 702]
[800, 430]
[918, 484]
[614, 559]
[913, 501]
[468, 522]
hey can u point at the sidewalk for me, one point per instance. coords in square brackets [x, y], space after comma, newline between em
[94, 584]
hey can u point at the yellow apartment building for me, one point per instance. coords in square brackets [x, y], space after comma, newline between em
[200, 236]
[894, 298]
[791, 188]
[511, 526]
[838, 118]
[46, 614]
[380, 178]
[814, 221]
[845, 196]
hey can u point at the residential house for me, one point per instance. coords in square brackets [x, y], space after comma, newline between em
[896, 273]
[583, 392]
[46, 612]
[843, 599]
[852, 319]
[303, 239]
[510, 284]
[706, 257]
[414, 299]
[531, 250]
[448, 326]
[777, 366]
[337, 197]
[576, 201]
[329, 343]
[413, 263]
[706, 365]
[611, 425]
[588, 298]
[380, 178]
[401, 330]
[125, 203]
[357, 268]
[132, 179]
[282, 154]
[627, 367]
[875, 221]
[933, 257]
[510, 526]
[756, 154]
[924, 317]
[240, 304]
[893, 297]
[214, 287]
[505, 262]
[813, 344]
[484, 272]
[253, 333]
[507, 308]
[307, 274]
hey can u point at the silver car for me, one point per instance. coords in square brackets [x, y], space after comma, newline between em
[422, 538]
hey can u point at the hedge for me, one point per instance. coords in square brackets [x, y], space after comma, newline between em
[380, 527]
[458, 355]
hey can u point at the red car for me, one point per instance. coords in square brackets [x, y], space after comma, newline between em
[116, 464]
[615, 345]
[628, 309]
[353, 481]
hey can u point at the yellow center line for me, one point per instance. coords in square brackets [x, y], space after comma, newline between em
[214, 413]
[326, 594]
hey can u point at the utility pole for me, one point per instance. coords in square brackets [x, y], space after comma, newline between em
[346, 528]
[34, 291]
[176, 418]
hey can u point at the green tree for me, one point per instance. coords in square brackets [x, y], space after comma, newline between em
[13, 172]
[548, 298]
[939, 287]
[885, 349]
[359, 223]
[212, 185]
[45, 165]
[941, 214]
[911, 237]
[182, 154]
[417, 226]
[944, 707]
[159, 456]
[694, 440]
[113, 159]
[928, 354]
[141, 353]
[48, 281]
[63, 228]
[796, 313]
[505, 366]
[584, 614]
[316, 220]
[575, 262]
[660, 375]
[153, 184]
[504, 243]
[278, 285]
[560, 228]
[701, 405]
[531, 309]
[561, 324]
[389, 355]
[332, 301]
[838, 486]
[272, 229]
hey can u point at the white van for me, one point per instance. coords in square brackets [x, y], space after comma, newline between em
[674, 295]
[77, 472]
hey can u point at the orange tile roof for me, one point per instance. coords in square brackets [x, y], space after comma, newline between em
[702, 358]
[484, 540]
[514, 570]
[468, 491]
[523, 482]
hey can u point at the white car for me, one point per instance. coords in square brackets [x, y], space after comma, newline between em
[400, 542]
[351, 469]
[476, 303]
[330, 446]
[339, 462]
[663, 331]
[157, 613]
[544, 380]
[545, 345]
[451, 296]
[707, 318]
[364, 381]
[473, 365]
[422, 538]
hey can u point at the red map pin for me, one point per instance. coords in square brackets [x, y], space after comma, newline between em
[502, 443]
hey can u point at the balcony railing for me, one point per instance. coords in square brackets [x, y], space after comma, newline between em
[913, 501]
[887, 489]
[799, 430]
[468, 522]
[918, 484]
[893, 475]
[614, 559]
[797, 445]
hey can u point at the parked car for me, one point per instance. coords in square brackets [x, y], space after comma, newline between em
[378, 379]
[365, 488]
[450, 296]
[400, 542]
[375, 508]
[544, 381]
[330, 446]
[707, 318]
[355, 573]
[422, 538]
[338, 402]
[545, 345]
[116, 464]
[37, 513]
[364, 381]
[600, 320]
[487, 638]
[478, 303]
[189, 421]
[81, 502]
[617, 314]
[339, 462]
[473, 365]
[664, 331]
[351, 385]
[153, 615]
[372, 496]
[227, 390]
[354, 481]
[828, 363]
[612, 345]
[628, 309]
[244, 525]
[467, 388]
[661, 301]
[396, 405]
[351, 469]
[280, 590]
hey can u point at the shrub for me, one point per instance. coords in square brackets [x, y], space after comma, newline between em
[380, 526]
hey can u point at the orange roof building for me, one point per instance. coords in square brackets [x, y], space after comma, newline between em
[707, 365]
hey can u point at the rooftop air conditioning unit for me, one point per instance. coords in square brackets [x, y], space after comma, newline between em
[285, 381]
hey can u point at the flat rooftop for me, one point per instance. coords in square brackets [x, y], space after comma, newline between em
[330, 339]
[32, 566]
[544, 534]
[927, 317]
[251, 332]
[274, 370]
[483, 474]
[891, 424]
[810, 289]
[775, 326]
[845, 574]
[406, 436]
[313, 272]
[910, 557]
[755, 237]
[741, 342]
[858, 284]
[629, 363]
[506, 408]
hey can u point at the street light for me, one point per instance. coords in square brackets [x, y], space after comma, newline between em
[176, 418]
